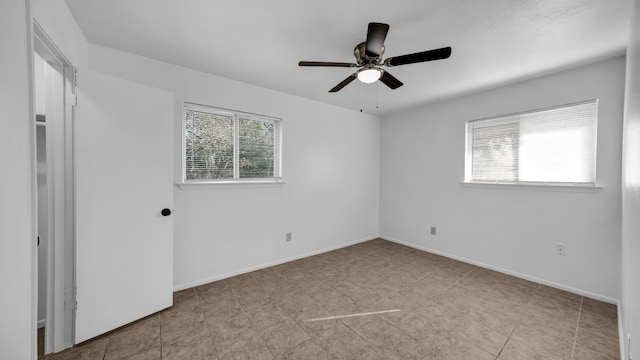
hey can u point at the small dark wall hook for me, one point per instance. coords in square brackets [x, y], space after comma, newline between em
[165, 212]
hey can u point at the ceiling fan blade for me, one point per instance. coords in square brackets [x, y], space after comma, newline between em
[326, 63]
[344, 83]
[390, 80]
[376, 33]
[429, 55]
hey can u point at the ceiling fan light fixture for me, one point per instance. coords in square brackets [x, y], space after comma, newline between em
[369, 76]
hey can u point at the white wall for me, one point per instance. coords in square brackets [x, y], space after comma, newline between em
[330, 165]
[17, 187]
[631, 194]
[508, 228]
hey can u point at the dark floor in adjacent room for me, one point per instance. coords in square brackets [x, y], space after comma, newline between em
[375, 300]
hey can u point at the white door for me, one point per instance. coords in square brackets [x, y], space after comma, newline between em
[124, 167]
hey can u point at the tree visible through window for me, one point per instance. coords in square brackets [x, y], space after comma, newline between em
[257, 155]
[229, 145]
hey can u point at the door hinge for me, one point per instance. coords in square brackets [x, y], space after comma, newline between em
[72, 94]
[72, 99]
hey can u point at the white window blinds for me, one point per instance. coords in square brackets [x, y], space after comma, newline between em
[556, 145]
[209, 145]
[223, 145]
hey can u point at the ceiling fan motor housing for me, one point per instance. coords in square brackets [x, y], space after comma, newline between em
[361, 59]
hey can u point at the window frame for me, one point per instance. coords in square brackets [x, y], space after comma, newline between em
[509, 118]
[237, 116]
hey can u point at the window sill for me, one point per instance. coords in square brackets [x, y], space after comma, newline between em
[535, 186]
[230, 183]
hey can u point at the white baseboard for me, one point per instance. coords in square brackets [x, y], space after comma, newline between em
[266, 265]
[508, 272]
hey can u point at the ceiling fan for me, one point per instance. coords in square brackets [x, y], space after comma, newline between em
[369, 59]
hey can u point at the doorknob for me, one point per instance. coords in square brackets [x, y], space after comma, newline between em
[165, 212]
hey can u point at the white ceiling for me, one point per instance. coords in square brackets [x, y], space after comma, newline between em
[261, 41]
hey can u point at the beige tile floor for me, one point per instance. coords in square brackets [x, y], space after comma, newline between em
[375, 300]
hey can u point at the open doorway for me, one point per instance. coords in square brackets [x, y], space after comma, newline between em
[55, 105]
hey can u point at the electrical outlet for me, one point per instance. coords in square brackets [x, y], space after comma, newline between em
[561, 249]
[288, 237]
[433, 230]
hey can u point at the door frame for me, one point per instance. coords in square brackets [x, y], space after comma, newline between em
[61, 277]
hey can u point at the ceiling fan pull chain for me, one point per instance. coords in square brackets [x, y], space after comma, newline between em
[361, 97]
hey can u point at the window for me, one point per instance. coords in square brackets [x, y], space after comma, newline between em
[550, 146]
[223, 145]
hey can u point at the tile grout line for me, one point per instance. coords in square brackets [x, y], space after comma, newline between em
[106, 348]
[293, 348]
[354, 331]
[455, 282]
[236, 296]
[505, 343]
[519, 322]
[206, 324]
[575, 337]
